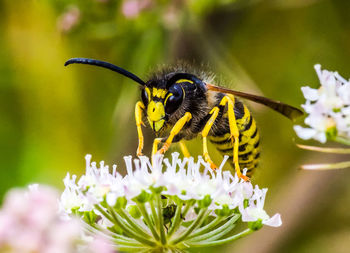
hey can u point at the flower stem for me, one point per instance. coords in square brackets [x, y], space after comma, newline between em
[133, 223]
[342, 140]
[207, 227]
[187, 207]
[326, 166]
[127, 243]
[197, 222]
[104, 213]
[148, 220]
[120, 238]
[163, 238]
[154, 213]
[126, 230]
[128, 248]
[177, 224]
[222, 241]
[108, 234]
[326, 150]
[218, 232]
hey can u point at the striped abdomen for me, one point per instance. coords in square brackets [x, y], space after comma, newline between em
[249, 150]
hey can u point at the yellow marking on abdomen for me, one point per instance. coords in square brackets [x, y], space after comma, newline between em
[249, 150]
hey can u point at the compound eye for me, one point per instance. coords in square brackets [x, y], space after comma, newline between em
[145, 96]
[173, 99]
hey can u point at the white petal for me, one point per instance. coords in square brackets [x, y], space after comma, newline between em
[321, 137]
[305, 133]
[274, 221]
[309, 93]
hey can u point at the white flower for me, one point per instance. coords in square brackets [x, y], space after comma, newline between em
[254, 211]
[134, 201]
[327, 108]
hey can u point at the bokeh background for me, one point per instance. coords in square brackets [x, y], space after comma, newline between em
[51, 115]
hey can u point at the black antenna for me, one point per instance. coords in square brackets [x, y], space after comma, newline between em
[106, 65]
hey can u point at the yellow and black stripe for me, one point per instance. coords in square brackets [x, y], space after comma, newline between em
[248, 151]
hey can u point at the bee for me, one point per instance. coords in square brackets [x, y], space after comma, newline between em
[179, 105]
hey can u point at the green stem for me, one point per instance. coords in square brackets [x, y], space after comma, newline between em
[129, 232]
[197, 222]
[177, 219]
[148, 220]
[218, 235]
[212, 235]
[104, 213]
[326, 150]
[326, 166]
[226, 240]
[133, 223]
[342, 140]
[160, 220]
[122, 220]
[189, 204]
[207, 227]
[126, 243]
[116, 237]
[154, 214]
[126, 249]
[176, 225]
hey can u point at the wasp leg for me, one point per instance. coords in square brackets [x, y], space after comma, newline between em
[177, 138]
[138, 117]
[184, 149]
[234, 133]
[155, 145]
[214, 114]
[176, 129]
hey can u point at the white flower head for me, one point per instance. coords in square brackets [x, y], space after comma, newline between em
[172, 192]
[327, 108]
[255, 210]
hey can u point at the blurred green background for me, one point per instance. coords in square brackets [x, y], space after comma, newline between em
[51, 115]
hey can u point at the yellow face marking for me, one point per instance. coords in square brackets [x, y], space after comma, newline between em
[155, 115]
[184, 81]
[160, 93]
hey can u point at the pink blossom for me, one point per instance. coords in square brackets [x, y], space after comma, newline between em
[132, 8]
[30, 222]
[68, 20]
[100, 245]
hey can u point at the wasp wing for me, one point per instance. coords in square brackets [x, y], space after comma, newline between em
[287, 110]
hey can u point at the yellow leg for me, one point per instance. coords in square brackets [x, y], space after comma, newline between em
[138, 117]
[155, 148]
[184, 149]
[234, 133]
[176, 129]
[155, 145]
[214, 114]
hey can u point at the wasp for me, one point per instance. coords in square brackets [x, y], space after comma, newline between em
[180, 105]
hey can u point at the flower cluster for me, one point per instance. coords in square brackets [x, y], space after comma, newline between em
[328, 108]
[30, 222]
[167, 204]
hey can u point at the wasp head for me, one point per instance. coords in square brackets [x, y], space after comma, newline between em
[164, 96]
